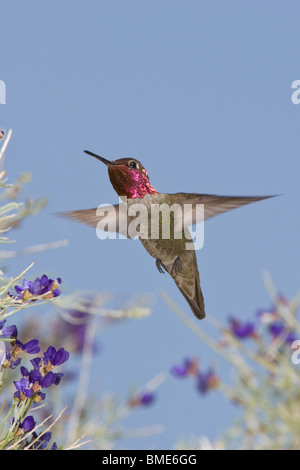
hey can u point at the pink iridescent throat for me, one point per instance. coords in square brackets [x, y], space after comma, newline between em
[140, 185]
[130, 183]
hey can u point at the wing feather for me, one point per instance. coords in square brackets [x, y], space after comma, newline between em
[213, 205]
[112, 218]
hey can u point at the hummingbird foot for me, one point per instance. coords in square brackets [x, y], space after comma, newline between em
[160, 266]
[177, 266]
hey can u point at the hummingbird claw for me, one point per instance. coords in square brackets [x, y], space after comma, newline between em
[159, 265]
[177, 266]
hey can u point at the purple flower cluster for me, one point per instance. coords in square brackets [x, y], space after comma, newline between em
[45, 287]
[40, 442]
[41, 376]
[13, 359]
[34, 381]
[242, 330]
[189, 367]
[276, 328]
[279, 330]
[205, 381]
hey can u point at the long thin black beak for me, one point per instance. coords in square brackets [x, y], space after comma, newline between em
[103, 160]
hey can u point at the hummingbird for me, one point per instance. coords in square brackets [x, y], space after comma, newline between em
[130, 180]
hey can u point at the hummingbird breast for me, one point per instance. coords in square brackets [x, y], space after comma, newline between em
[158, 232]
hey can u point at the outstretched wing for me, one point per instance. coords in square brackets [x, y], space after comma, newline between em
[112, 218]
[199, 207]
[193, 209]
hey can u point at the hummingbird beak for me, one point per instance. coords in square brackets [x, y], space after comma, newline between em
[103, 160]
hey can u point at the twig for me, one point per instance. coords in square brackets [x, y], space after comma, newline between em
[237, 360]
[5, 144]
[26, 435]
[46, 430]
[33, 249]
[76, 444]
[87, 356]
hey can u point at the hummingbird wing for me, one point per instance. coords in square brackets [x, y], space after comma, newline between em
[112, 218]
[212, 205]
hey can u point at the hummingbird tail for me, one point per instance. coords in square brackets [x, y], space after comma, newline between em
[196, 303]
[194, 297]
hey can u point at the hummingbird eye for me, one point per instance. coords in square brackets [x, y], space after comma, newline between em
[133, 164]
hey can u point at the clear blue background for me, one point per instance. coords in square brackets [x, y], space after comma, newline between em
[200, 92]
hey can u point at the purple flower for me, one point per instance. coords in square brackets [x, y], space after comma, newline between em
[26, 286]
[37, 362]
[24, 371]
[28, 424]
[58, 377]
[41, 286]
[31, 347]
[11, 362]
[8, 330]
[204, 381]
[41, 376]
[56, 358]
[207, 381]
[189, 367]
[143, 399]
[51, 359]
[24, 389]
[48, 380]
[34, 376]
[146, 398]
[278, 329]
[43, 442]
[242, 330]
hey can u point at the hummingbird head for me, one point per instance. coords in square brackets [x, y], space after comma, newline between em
[128, 176]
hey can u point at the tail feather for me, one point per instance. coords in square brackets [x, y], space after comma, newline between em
[197, 301]
[188, 282]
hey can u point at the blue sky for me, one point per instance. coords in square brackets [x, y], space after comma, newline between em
[199, 92]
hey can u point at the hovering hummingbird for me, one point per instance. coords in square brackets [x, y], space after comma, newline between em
[130, 180]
